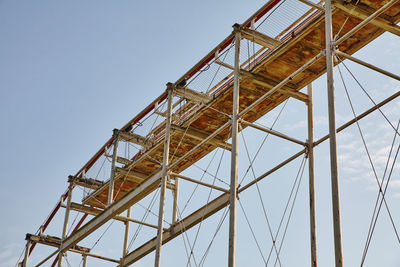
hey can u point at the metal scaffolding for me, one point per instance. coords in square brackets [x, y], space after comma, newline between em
[193, 118]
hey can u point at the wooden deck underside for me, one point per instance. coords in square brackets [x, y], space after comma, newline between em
[298, 47]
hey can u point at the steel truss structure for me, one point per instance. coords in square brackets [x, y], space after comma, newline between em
[192, 122]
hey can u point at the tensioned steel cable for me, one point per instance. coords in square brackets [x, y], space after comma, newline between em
[375, 214]
[272, 12]
[265, 139]
[219, 179]
[261, 199]
[144, 217]
[252, 232]
[219, 67]
[287, 205]
[291, 210]
[223, 217]
[368, 95]
[201, 179]
[207, 202]
[368, 154]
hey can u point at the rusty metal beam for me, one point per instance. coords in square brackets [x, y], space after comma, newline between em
[114, 209]
[192, 95]
[85, 182]
[199, 182]
[365, 21]
[359, 13]
[136, 139]
[200, 135]
[131, 175]
[268, 83]
[259, 38]
[94, 211]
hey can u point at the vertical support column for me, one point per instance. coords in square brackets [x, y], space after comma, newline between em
[313, 234]
[27, 248]
[175, 207]
[332, 135]
[84, 260]
[234, 154]
[164, 176]
[66, 218]
[126, 236]
[113, 162]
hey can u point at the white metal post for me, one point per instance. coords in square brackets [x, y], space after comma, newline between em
[84, 260]
[66, 218]
[27, 248]
[126, 236]
[113, 167]
[313, 234]
[234, 154]
[176, 197]
[332, 135]
[164, 176]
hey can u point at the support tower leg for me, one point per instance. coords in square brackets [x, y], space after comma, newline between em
[66, 218]
[164, 176]
[332, 135]
[234, 154]
[313, 234]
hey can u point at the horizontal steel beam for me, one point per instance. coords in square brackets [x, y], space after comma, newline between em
[85, 182]
[200, 135]
[179, 227]
[121, 160]
[357, 12]
[94, 211]
[135, 139]
[134, 176]
[260, 38]
[365, 21]
[199, 182]
[114, 209]
[192, 95]
[359, 117]
[53, 241]
[273, 132]
[365, 64]
[267, 83]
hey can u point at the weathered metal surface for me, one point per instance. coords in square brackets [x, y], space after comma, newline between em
[298, 46]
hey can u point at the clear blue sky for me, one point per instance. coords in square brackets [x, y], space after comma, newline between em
[72, 71]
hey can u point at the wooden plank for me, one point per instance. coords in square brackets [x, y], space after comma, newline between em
[260, 38]
[269, 84]
[200, 135]
[131, 175]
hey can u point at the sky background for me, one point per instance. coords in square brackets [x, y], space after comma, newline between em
[70, 72]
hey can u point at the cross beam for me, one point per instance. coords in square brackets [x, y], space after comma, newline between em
[260, 38]
[136, 139]
[192, 95]
[85, 182]
[94, 211]
[361, 14]
[200, 135]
